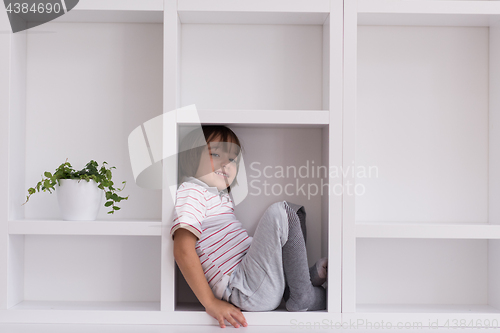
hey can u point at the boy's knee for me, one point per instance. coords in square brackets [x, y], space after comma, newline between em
[276, 218]
[277, 205]
[276, 211]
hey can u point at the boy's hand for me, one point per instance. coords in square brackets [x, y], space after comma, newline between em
[221, 310]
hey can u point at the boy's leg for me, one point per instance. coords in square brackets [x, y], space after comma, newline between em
[258, 282]
[318, 271]
[301, 213]
[303, 294]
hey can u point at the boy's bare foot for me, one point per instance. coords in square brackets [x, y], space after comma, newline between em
[319, 272]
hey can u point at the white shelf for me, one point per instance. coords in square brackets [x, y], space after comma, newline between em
[197, 307]
[302, 118]
[257, 6]
[125, 5]
[87, 306]
[101, 228]
[111, 16]
[429, 7]
[280, 316]
[429, 13]
[253, 11]
[427, 230]
[144, 11]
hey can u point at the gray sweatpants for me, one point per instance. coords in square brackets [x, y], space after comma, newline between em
[258, 282]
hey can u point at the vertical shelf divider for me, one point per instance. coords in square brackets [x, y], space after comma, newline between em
[494, 165]
[348, 155]
[334, 141]
[16, 147]
[171, 53]
[5, 50]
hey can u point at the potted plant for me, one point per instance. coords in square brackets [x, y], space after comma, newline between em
[80, 193]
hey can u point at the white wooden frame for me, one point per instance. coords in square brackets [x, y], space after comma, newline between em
[418, 13]
[337, 119]
[172, 14]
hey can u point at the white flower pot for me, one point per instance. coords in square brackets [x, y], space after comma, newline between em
[79, 200]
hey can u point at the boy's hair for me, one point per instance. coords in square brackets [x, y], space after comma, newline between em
[193, 144]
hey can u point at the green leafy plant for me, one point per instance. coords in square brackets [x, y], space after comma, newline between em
[101, 175]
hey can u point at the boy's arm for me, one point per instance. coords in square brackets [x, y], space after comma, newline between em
[189, 263]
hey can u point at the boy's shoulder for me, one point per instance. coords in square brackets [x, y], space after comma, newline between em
[196, 185]
[190, 185]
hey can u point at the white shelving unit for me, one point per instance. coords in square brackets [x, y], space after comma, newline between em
[272, 71]
[420, 245]
[408, 88]
[77, 86]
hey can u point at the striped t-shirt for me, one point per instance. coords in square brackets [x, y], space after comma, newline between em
[209, 215]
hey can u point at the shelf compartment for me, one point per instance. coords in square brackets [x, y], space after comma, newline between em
[426, 275]
[103, 228]
[86, 306]
[74, 272]
[274, 149]
[424, 122]
[255, 117]
[428, 13]
[253, 12]
[254, 67]
[119, 65]
[427, 230]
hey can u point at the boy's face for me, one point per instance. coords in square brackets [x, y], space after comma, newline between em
[218, 164]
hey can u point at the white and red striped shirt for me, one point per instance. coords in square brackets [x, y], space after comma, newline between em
[209, 215]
